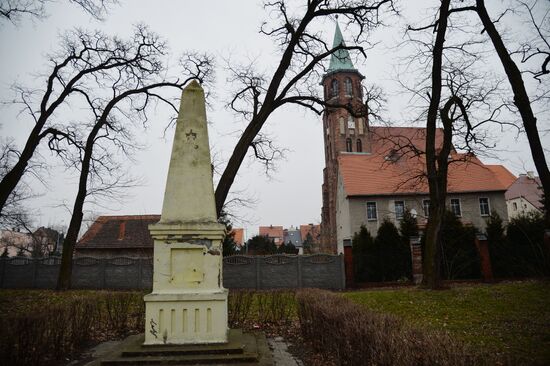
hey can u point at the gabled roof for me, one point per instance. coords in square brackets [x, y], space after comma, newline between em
[117, 232]
[528, 188]
[271, 231]
[339, 60]
[503, 175]
[384, 173]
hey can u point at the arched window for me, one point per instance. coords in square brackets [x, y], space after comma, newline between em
[334, 88]
[348, 87]
[359, 145]
[342, 125]
[348, 145]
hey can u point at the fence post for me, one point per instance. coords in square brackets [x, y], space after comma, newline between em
[34, 271]
[342, 271]
[3, 272]
[103, 267]
[140, 274]
[482, 246]
[416, 259]
[258, 270]
[299, 261]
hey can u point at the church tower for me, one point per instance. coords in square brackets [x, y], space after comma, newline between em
[345, 130]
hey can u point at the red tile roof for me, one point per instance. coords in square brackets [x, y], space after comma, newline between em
[503, 175]
[376, 174]
[402, 139]
[238, 236]
[117, 232]
[273, 232]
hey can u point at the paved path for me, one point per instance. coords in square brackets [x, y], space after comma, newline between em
[281, 356]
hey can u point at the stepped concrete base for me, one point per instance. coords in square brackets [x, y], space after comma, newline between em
[241, 349]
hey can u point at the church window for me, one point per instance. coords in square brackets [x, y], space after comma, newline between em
[342, 126]
[371, 211]
[348, 145]
[351, 123]
[360, 126]
[359, 145]
[399, 209]
[348, 86]
[334, 88]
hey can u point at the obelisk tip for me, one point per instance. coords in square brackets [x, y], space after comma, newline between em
[194, 84]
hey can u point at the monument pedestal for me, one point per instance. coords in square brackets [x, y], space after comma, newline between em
[188, 304]
[186, 318]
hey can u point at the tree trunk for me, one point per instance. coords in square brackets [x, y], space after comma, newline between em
[239, 153]
[437, 183]
[521, 100]
[65, 271]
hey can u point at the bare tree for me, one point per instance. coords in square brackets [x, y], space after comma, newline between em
[464, 101]
[84, 58]
[521, 97]
[120, 98]
[295, 79]
[14, 10]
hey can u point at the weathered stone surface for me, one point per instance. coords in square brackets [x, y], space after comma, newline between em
[189, 195]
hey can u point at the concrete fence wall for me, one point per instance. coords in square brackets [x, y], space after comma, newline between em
[253, 272]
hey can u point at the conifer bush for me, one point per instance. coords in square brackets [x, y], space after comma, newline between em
[361, 244]
[393, 254]
[459, 255]
[525, 246]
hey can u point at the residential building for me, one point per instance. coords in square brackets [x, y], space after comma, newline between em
[41, 243]
[238, 236]
[524, 195]
[275, 233]
[14, 242]
[292, 235]
[311, 232]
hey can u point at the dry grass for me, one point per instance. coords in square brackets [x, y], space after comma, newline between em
[352, 335]
[511, 319]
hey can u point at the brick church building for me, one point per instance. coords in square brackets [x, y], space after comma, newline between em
[369, 176]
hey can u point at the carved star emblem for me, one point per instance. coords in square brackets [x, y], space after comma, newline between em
[191, 136]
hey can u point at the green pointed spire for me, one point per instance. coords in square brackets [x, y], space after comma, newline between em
[340, 59]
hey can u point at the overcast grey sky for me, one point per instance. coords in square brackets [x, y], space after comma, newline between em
[227, 29]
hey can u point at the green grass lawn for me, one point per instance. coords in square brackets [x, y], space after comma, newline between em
[511, 318]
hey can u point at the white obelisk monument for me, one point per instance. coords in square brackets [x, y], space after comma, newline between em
[188, 304]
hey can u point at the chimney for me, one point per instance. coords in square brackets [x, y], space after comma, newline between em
[531, 174]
